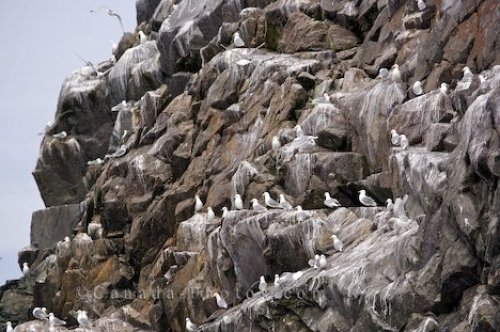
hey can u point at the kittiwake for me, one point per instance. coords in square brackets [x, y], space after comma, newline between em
[365, 199]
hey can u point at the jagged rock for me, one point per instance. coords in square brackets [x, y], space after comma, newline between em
[203, 117]
[302, 33]
[53, 224]
[145, 9]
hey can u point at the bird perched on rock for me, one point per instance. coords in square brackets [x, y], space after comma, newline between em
[337, 243]
[395, 137]
[220, 301]
[40, 313]
[284, 204]
[198, 204]
[468, 76]
[322, 261]
[262, 284]
[238, 202]
[26, 268]
[225, 211]
[389, 205]
[403, 142]
[8, 327]
[111, 12]
[257, 207]
[443, 89]
[301, 214]
[330, 202]
[142, 37]
[314, 262]
[270, 202]
[296, 276]
[365, 199]
[190, 326]
[298, 131]
[417, 88]
[210, 214]
[275, 143]
[54, 321]
[278, 292]
[383, 73]
[237, 40]
[61, 135]
[83, 320]
[395, 73]
[421, 5]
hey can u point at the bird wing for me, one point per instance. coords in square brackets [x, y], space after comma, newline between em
[367, 200]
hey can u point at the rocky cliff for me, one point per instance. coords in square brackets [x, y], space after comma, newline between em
[192, 108]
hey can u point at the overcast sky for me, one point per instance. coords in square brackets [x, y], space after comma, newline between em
[40, 39]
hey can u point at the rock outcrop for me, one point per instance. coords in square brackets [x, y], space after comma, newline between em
[194, 110]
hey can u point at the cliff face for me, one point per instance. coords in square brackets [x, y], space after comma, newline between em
[199, 118]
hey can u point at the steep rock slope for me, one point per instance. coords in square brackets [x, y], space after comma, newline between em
[194, 109]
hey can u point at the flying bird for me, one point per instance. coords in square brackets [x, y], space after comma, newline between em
[111, 12]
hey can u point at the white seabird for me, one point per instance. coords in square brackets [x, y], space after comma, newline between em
[296, 276]
[142, 37]
[8, 327]
[284, 204]
[322, 261]
[403, 143]
[395, 73]
[111, 12]
[421, 5]
[275, 143]
[40, 313]
[190, 326]
[220, 301]
[210, 214]
[417, 88]
[54, 321]
[468, 76]
[83, 320]
[383, 73]
[61, 135]
[298, 131]
[443, 88]
[301, 214]
[238, 202]
[365, 199]
[95, 230]
[26, 268]
[330, 202]
[98, 161]
[314, 262]
[225, 211]
[262, 284]
[198, 204]
[257, 207]
[389, 205]
[337, 243]
[237, 40]
[395, 137]
[270, 202]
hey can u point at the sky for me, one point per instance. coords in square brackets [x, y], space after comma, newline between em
[38, 50]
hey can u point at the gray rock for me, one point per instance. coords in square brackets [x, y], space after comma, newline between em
[53, 224]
